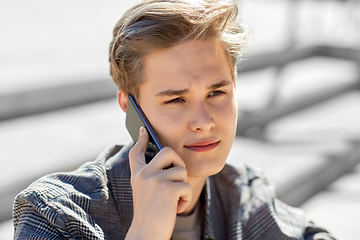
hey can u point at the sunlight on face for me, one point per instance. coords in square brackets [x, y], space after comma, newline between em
[188, 95]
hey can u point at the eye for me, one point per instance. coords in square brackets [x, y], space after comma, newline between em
[216, 93]
[175, 100]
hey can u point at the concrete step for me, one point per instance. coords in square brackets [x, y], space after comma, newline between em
[56, 141]
[44, 99]
[307, 150]
[6, 230]
[337, 208]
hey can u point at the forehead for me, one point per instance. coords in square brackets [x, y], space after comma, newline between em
[187, 63]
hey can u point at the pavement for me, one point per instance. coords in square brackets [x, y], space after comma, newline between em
[299, 147]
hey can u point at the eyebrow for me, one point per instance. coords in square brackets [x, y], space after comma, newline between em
[171, 92]
[220, 84]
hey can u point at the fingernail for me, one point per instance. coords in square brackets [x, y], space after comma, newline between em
[142, 130]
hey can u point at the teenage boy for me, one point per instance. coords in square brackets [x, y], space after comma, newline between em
[178, 58]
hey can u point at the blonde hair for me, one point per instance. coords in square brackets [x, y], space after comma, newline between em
[159, 24]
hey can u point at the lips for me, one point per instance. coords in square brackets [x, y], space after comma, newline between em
[203, 146]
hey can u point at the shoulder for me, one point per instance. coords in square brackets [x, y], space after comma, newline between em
[66, 197]
[253, 201]
[248, 196]
[89, 180]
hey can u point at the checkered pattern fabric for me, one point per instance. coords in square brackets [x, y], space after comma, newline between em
[95, 202]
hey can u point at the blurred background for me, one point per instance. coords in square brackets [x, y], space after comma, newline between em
[298, 92]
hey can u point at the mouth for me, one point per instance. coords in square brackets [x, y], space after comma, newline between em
[203, 146]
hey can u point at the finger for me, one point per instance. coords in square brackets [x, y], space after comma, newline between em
[166, 157]
[136, 154]
[185, 196]
[175, 174]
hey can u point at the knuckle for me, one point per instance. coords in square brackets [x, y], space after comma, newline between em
[141, 174]
[185, 172]
[164, 184]
[166, 187]
[133, 153]
[138, 179]
[182, 171]
[167, 150]
[187, 187]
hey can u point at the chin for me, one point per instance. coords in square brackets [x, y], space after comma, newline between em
[204, 164]
[204, 169]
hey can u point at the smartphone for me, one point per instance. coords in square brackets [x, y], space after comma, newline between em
[135, 118]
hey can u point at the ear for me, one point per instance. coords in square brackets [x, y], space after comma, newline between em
[234, 82]
[235, 78]
[122, 99]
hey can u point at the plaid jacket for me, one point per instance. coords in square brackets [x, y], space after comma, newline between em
[95, 202]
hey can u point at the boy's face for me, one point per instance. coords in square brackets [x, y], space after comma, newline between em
[188, 95]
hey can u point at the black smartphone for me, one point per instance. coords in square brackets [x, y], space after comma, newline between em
[135, 118]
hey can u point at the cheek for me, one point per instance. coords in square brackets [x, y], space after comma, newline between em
[167, 127]
[227, 114]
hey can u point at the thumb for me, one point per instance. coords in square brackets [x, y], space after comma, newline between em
[143, 139]
[136, 154]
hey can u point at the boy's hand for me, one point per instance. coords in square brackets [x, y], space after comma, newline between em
[158, 193]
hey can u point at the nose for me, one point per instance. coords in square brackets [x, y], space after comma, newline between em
[201, 120]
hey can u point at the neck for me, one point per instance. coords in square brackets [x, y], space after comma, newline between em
[197, 185]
